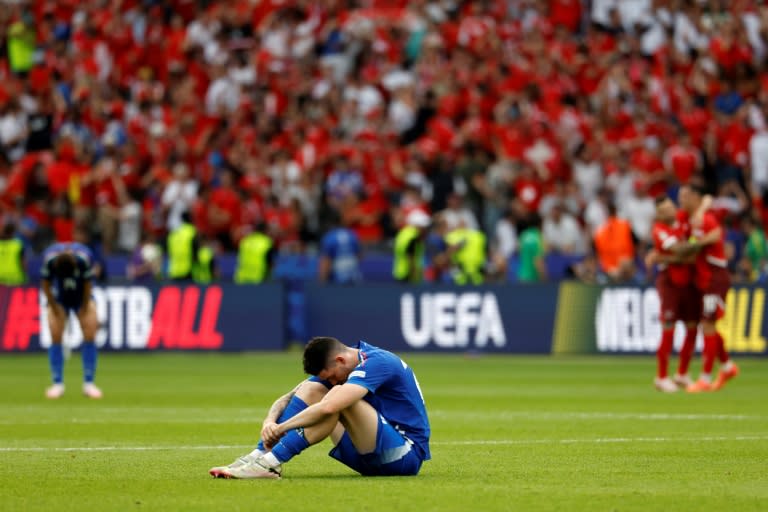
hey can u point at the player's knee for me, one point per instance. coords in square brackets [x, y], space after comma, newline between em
[311, 392]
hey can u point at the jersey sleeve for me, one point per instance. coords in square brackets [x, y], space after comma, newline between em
[370, 374]
[85, 267]
[663, 240]
[46, 270]
[709, 223]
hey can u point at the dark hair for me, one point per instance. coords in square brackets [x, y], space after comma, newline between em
[64, 264]
[317, 353]
[9, 229]
[660, 199]
[697, 189]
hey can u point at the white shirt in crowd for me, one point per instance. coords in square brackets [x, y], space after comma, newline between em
[454, 218]
[506, 238]
[129, 226]
[758, 155]
[178, 197]
[640, 212]
[595, 215]
[564, 235]
[222, 92]
[589, 177]
[623, 186]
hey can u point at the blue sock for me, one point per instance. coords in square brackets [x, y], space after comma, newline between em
[294, 407]
[88, 352]
[290, 445]
[56, 361]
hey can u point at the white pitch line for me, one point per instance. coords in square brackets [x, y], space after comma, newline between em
[478, 442]
[122, 448]
[589, 415]
[601, 440]
[176, 416]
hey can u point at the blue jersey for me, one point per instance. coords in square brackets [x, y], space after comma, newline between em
[68, 289]
[393, 391]
[342, 247]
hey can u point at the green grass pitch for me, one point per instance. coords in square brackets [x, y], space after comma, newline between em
[508, 433]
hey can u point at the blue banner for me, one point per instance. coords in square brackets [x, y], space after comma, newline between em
[173, 317]
[510, 319]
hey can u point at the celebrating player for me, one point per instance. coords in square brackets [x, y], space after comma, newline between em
[365, 398]
[680, 300]
[713, 281]
[66, 283]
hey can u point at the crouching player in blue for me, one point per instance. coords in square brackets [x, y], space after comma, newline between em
[366, 399]
[66, 284]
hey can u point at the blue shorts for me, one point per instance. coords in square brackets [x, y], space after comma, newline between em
[394, 454]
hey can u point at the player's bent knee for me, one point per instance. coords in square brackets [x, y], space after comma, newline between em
[311, 392]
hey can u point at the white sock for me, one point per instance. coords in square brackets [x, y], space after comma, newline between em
[256, 453]
[726, 367]
[705, 377]
[271, 460]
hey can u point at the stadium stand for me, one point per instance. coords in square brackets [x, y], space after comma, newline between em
[116, 116]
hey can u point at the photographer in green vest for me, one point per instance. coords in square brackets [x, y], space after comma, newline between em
[255, 256]
[12, 261]
[408, 263]
[182, 247]
[468, 253]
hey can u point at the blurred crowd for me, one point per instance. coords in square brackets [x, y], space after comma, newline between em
[544, 124]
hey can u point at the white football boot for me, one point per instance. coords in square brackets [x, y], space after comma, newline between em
[54, 391]
[682, 381]
[92, 391]
[665, 385]
[257, 468]
[219, 471]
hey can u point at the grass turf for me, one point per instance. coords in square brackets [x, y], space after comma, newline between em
[509, 433]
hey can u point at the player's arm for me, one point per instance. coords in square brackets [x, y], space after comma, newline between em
[269, 424]
[341, 398]
[45, 284]
[324, 268]
[280, 404]
[709, 238]
[698, 215]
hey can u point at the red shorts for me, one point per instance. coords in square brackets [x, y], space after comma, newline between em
[714, 293]
[678, 302]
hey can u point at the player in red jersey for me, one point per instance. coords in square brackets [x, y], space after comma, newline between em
[712, 279]
[677, 295]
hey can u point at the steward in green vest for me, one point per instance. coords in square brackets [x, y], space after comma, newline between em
[468, 254]
[22, 40]
[408, 262]
[204, 268]
[255, 257]
[182, 249]
[11, 258]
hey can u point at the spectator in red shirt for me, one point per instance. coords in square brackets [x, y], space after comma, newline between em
[682, 159]
[224, 210]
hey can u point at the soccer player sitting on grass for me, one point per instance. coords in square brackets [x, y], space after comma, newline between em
[365, 398]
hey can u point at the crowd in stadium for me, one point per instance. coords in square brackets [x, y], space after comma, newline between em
[118, 116]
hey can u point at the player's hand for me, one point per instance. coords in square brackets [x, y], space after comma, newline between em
[650, 259]
[270, 433]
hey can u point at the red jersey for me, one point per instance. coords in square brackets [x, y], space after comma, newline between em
[664, 237]
[712, 257]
